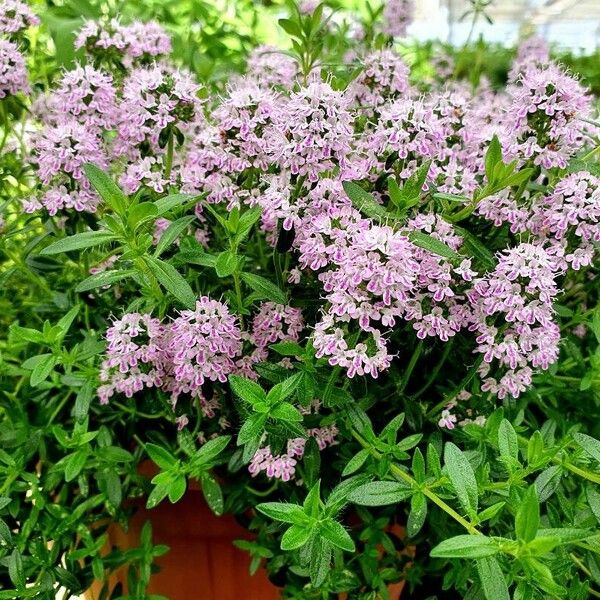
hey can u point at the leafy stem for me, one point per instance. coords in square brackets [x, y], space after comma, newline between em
[404, 476]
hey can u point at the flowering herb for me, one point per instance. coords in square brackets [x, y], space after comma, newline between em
[341, 288]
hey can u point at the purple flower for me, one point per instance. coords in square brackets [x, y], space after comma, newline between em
[318, 126]
[544, 117]
[133, 356]
[276, 323]
[269, 67]
[513, 318]
[200, 344]
[65, 148]
[137, 43]
[13, 74]
[88, 95]
[15, 16]
[397, 16]
[152, 100]
[383, 79]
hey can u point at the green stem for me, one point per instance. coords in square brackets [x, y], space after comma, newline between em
[135, 412]
[578, 471]
[238, 295]
[403, 476]
[169, 159]
[591, 153]
[261, 493]
[467, 378]
[436, 370]
[411, 365]
[4, 114]
[60, 406]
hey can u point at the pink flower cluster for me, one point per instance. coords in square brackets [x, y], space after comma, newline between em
[397, 16]
[513, 317]
[283, 466]
[285, 145]
[13, 73]
[543, 124]
[130, 44]
[384, 78]
[15, 16]
[204, 344]
[198, 345]
[133, 356]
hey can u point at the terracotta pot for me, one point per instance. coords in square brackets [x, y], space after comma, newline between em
[202, 562]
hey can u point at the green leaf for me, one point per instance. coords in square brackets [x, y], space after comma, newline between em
[246, 389]
[27, 334]
[295, 537]
[507, 441]
[320, 560]
[477, 249]
[356, 462]
[15, 569]
[418, 466]
[74, 464]
[462, 477]
[263, 288]
[547, 482]
[227, 263]
[492, 580]
[280, 511]
[102, 279]
[42, 369]
[417, 515]
[171, 233]
[163, 458]
[311, 461]
[177, 489]
[465, 546]
[380, 493]
[490, 512]
[567, 535]
[79, 241]
[109, 191]
[433, 245]
[141, 213]
[157, 495]
[164, 205]
[527, 520]
[114, 454]
[593, 498]
[172, 281]
[413, 186]
[283, 390]
[211, 449]
[251, 429]
[535, 448]
[286, 412]
[360, 421]
[493, 156]
[312, 502]
[290, 27]
[363, 201]
[5, 533]
[332, 531]
[589, 444]
[212, 492]
[288, 348]
[65, 322]
[112, 488]
[246, 222]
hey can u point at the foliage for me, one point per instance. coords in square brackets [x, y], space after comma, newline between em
[240, 393]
